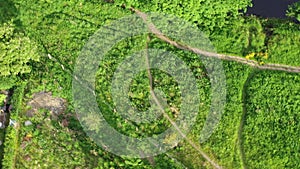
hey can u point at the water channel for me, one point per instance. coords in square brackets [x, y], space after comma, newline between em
[270, 8]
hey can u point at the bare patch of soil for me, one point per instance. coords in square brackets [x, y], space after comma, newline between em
[45, 100]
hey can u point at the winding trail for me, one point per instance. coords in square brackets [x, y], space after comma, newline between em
[194, 145]
[252, 63]
[243, 118]
[156, 100]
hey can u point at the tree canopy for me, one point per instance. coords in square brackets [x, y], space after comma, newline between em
[17, 51]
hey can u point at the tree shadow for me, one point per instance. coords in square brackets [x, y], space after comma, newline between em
[8, 11]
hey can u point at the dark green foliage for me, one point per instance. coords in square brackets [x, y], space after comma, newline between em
[271, 132]
[284, 44]
[207, 14]
[49, 35]
[12, 139]
[222, 143]
[241, 37]
[7, 11]
[294, 11]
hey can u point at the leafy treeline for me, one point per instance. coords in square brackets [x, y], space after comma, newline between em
[17, 51]
[264, 40]
[242, 36]
[63, 25]
[294, 11]
[206, 14]
[40, 42]
[284, 43]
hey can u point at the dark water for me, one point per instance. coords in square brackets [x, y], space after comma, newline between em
[270, 8]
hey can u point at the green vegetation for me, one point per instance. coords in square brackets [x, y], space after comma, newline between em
[294, 11]
[207, 14]
[284, 44]
[12, 139]
[17, 51]
[271, 132]
[242, 36]
[41, 40]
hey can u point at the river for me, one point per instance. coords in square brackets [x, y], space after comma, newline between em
[270, 8]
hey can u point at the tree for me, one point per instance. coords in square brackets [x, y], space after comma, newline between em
[206, 14]
[16, 51]
[294, 11]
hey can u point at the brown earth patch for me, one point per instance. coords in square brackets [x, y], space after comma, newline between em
[45, 100]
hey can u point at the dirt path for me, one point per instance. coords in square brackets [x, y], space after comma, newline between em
[243, 119]
[193, 144]
[256, 65]
[252, 63]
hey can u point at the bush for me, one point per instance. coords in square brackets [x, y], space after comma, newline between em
[241, 37]
[284, 44]
[16, 51]
[294, 11]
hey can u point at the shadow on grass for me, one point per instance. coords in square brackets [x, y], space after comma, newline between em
[8, 11]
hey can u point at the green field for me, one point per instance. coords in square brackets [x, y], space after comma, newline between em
[40, 42]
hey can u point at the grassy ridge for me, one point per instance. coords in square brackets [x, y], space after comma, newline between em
[12, 138]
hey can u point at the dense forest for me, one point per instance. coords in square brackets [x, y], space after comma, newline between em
[148, 84]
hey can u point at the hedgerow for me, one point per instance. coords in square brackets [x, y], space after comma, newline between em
[12, 137]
